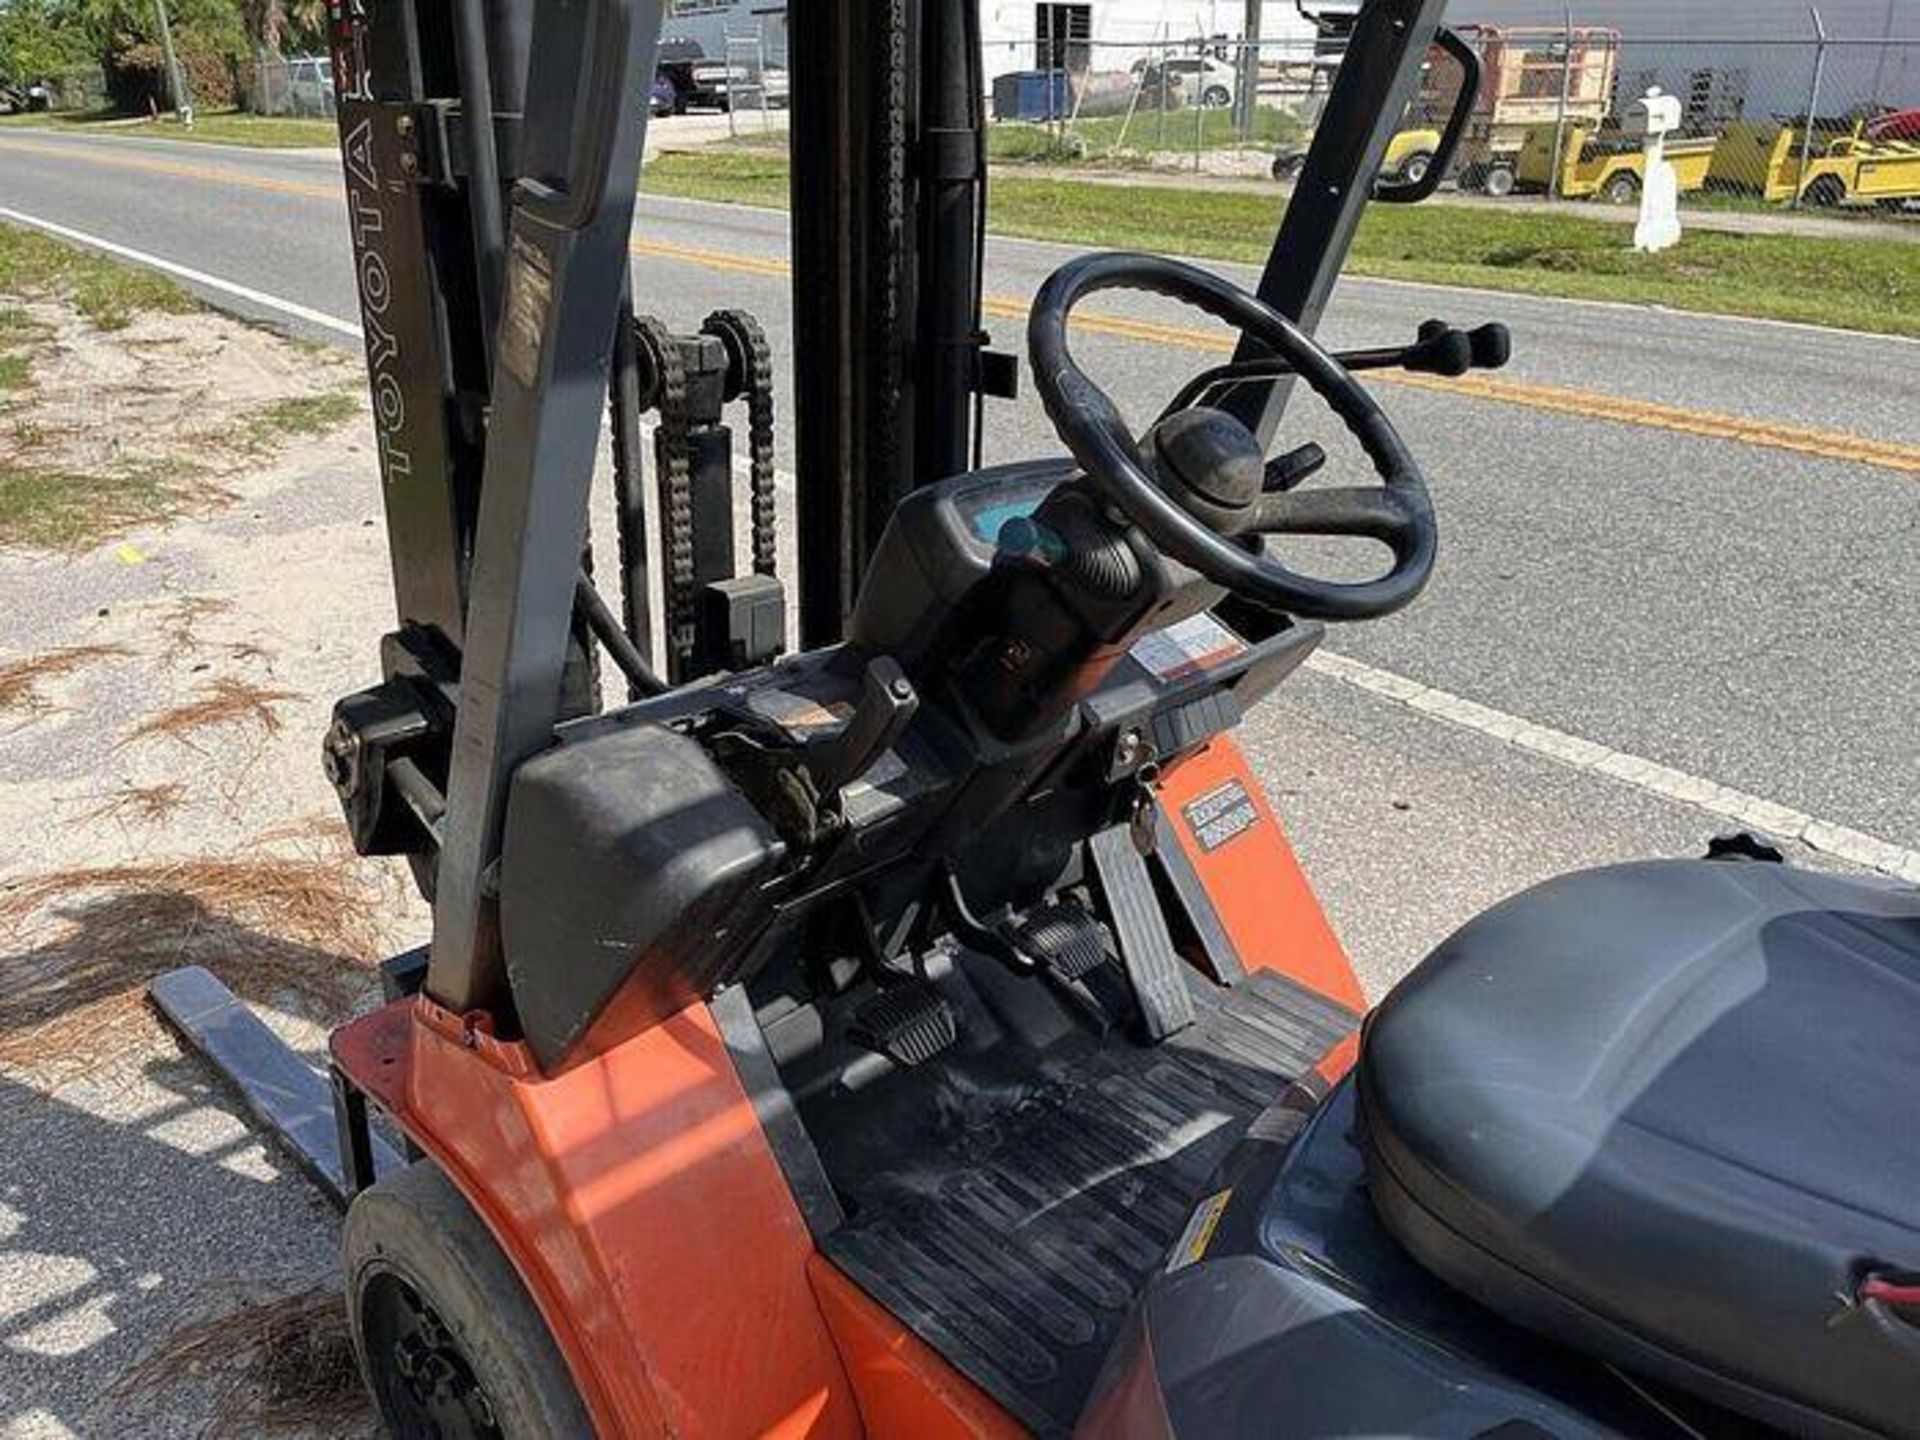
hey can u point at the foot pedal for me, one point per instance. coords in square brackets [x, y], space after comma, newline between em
[1146, 949]
[909, 1022]
[1065, 940]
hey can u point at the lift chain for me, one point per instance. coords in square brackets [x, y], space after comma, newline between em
[624, 404]
[752, 357]
[669, 397]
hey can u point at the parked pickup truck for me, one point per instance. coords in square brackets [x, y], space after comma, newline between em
[717, 85]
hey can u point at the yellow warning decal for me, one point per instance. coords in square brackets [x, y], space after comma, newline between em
[1192, 1245]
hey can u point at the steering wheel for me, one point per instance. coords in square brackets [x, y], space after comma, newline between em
[1205, 533]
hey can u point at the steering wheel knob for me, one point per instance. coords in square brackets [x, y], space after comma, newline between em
[1211, 465]
[1198, 485]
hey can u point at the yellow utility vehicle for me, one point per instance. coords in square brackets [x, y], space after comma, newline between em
[1408, 159]
[1612, 167]
[1868, 165]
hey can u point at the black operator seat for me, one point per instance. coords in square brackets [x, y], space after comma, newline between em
[1669, 1113]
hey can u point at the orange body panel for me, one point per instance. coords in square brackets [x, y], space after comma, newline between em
[906, 1391]
[637, 1197]
[636, 1193]
[1263, 898]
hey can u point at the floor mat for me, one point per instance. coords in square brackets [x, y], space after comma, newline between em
[1017, 1250]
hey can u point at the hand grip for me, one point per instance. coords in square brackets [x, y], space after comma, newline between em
[887, 703]
[572, 203]
[1396, 192]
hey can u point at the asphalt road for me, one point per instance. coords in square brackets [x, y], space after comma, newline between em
[1686, 539]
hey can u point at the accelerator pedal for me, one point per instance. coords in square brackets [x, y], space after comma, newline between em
[1153, 966]
[909, 1022]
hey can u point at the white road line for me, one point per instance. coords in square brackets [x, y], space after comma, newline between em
[1751, 811]
[193, 277]
[1650, 776]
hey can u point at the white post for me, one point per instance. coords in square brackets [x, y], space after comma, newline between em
[1656, 116]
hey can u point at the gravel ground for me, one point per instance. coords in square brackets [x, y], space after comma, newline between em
[135, 1201]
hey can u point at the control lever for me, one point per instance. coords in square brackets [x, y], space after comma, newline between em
[886, 705]
[1288, 471]
[796, 779]
[1438, 349]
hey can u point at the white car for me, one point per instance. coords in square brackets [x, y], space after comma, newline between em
[1204, 80]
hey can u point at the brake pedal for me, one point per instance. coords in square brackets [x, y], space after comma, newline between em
[1065, 941]
[909, 1023]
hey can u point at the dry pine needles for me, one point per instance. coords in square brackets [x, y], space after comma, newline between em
[268, 1365]
[279, 930]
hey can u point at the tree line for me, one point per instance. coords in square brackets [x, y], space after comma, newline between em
[44, 41]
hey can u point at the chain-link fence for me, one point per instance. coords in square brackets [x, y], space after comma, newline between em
[752, 87]
[1217, 106]
[1818, 120]
[78, 87]
[300, 85]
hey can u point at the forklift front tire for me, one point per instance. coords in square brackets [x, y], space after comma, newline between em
[1498, 182]
[448, 1339]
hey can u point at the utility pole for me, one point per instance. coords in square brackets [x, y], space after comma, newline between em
[1246, 89]
[182, 102]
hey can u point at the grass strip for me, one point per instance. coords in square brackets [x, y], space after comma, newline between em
[1856, 283]
[218, 127]
[106, 292]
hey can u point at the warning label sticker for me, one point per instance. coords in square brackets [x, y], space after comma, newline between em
[1195, 644]
[795, 713]
[1224, 813]
[523, 319]
[1192, 1245]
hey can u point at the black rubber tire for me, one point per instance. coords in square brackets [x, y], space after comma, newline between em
[1623, 189]
[415, 1229]
[1414, 168]
[1826, 193]
[1499, 182]
[1216, 97]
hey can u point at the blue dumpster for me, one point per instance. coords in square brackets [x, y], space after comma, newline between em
[1032, 95]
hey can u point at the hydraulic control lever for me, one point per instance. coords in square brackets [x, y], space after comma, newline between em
[795, 772]
[886, 705]
[1438, 349]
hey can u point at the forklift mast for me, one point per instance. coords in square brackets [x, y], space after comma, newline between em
[491, 168]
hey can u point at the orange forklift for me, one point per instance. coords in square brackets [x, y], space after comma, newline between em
[925, 1029]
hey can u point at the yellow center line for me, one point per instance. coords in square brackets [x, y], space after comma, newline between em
[159, 165]
[712, 259]
[1561, 400]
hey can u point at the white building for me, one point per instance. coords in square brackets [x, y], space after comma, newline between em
[711, 23]
[1729, 58]
[1751, 59]
[1112, 34]
[1022, 35]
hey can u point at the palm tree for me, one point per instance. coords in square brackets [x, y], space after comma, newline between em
[272, 23]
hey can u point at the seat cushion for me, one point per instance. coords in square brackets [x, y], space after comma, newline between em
[1670, 1113]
